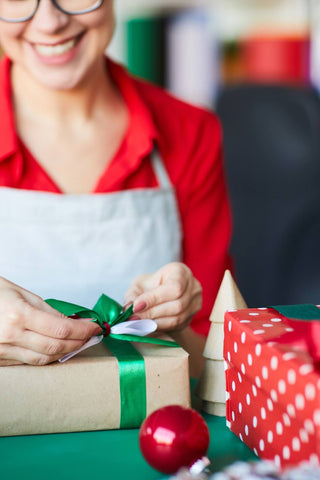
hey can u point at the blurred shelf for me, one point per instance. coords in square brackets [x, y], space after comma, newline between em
[134, 6]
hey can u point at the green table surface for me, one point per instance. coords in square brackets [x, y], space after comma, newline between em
[112, 454]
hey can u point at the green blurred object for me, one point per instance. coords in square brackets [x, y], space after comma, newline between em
[146, 48]
[112, 454]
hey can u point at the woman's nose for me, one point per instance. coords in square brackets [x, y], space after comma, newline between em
[48, 18]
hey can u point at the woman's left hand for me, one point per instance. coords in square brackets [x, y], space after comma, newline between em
[170, 296]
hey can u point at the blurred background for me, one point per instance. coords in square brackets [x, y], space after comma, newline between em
[257, 64]
[192, 47]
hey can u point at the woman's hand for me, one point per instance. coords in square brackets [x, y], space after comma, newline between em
[32, 332]
[170, 296]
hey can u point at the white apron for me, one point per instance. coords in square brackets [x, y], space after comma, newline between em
[76, 247]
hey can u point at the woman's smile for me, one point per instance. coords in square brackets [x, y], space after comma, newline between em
[49, 50]
[58, 52]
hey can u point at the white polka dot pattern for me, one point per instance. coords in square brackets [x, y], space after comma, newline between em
[296, 444]
[270, 404]
[310, 391]
[282, 386]
[292, 376]
[274, 363]
[274, 389]
[286, 420]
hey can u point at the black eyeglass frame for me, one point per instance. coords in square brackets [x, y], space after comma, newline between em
[55, 3]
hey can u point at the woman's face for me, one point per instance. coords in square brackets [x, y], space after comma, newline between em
[57, 50]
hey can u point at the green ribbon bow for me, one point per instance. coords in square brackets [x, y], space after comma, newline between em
[132, 378]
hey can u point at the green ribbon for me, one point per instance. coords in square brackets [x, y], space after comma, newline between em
[132, 376]
[305, 311]
[132, 379]
[105, 311]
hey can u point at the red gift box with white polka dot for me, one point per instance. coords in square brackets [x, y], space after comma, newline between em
[273, 388]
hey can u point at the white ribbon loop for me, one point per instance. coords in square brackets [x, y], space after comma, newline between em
[93, 341]
[141, 328]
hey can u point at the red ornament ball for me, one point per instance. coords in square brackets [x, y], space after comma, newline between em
[173, 437]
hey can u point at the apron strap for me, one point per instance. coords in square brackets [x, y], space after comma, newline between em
[159, 169]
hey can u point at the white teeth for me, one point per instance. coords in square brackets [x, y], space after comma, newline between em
[51, 50]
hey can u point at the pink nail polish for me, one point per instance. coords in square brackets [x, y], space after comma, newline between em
[135, 317]
[138, 307]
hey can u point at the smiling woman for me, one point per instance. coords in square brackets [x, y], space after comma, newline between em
[103, 177]
[51, 36]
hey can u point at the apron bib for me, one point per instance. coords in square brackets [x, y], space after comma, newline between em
[76, 247]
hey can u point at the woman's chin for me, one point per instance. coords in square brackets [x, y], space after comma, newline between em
[57, 82]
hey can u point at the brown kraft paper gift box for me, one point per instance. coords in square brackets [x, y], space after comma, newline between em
[83, 393]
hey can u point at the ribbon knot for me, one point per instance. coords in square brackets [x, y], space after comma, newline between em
[305, 321]
[107, 329]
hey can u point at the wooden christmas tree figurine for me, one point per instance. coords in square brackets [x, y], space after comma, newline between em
[211, 388]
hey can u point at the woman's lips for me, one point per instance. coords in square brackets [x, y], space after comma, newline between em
[52, 50]
[58, 49]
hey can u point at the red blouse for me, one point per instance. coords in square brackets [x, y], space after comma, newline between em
[189, 141]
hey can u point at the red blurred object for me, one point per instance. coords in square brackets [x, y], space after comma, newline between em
[276, 59]
[173, 437]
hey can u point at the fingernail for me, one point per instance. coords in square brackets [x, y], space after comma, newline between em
[98, 329]
[135, 317]
[138, 307]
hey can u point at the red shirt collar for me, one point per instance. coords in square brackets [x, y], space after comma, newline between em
[8, 137]
[141, 132]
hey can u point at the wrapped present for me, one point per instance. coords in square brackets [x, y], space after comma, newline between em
[273, 381]
[114, 384]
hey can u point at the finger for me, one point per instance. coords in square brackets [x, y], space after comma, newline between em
[167, 309]
[159, 295]
[47, 345]
[172, 317]
[23, 355]
[145, 282]
[60, 327]
[131, 294]
[37, 302]
[9, 363]
[170, 324]
[26, 298]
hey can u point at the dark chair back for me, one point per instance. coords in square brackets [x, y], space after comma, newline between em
[272, 155]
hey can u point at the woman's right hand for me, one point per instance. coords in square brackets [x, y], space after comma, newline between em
[32, 332]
